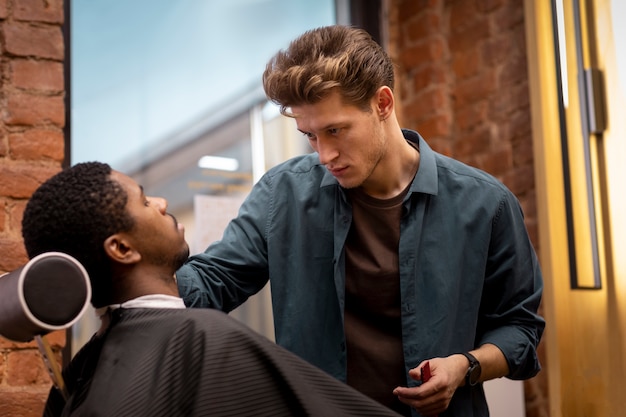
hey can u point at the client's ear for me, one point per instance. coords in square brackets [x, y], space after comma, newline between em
[119, 249]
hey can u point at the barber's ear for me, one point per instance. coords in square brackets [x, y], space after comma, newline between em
[119, 249]
[384, 102]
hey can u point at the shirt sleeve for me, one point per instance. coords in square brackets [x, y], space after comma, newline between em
[236, 267]
[512, 293]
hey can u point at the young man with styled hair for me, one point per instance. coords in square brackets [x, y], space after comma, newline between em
[382, 255]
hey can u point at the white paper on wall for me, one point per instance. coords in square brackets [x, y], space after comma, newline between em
[212, 215]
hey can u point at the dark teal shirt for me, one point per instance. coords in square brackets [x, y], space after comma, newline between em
[468, 272]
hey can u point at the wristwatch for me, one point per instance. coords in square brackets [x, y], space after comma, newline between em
[473, 372]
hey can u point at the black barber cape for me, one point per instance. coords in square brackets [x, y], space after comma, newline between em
[197, 362]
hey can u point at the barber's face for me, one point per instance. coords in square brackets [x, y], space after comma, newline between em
[349, 141]
[158, 237]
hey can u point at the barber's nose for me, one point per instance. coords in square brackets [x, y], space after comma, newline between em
[326, 151]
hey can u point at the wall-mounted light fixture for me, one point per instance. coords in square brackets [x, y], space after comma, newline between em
[582, 120]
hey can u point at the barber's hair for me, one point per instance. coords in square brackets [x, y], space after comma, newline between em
[341, 58]
[74, 212]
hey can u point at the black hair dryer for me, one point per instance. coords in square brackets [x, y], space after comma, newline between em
[51, 292]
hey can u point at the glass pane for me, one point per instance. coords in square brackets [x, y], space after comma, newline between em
[159, 84]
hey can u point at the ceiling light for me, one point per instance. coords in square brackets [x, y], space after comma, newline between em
[218, 162]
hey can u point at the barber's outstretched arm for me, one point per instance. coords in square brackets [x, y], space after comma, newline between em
[234, 268]
[448, 374]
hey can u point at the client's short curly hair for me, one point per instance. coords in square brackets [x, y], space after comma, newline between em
[74, 212]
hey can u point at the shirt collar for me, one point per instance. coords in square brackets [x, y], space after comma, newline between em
[425, 180]
[145, 301]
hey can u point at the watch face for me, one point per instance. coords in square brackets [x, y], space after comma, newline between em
[474, 374]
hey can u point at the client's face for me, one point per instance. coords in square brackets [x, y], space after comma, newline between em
[156, 235]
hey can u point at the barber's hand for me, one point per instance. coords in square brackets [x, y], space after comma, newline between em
[434, 396]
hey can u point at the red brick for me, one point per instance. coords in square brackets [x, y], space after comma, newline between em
[4, 342]
[475, 142]
[3, 216]
[27, 109]
[3, 147]
[37, 144]
[23, 401]
[57, 339]
[436, 126]
[511, 15]
[498, 162]
[12, 254]
[38, 75]
[428, 102]
[10, 344]
[520, 127]
[523, 152]
[462, 14]
[509, 101]
[494, 51]
[23, 39]
[488, 5]
[50, 11]
[466, 63]
[32, 90]
[441, 145]
[468, 37]
[2, 364]
[514, 72]
[21, 180]
[520, 97]
[472, 160]
[470, 116]
[520, 180]
[16, 213]
[428, 76]
[474, 89]
[529, 206]
[408, 8]
[425, 25]
[423, 53]
[26, 367]
[3, 9]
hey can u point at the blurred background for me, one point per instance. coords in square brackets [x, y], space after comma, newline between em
[162, 90]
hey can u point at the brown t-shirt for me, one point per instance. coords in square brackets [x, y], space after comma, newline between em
[372, 302]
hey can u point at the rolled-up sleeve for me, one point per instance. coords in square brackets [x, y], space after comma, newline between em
[512, 292]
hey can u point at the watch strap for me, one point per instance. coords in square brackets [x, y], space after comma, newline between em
[473, 363]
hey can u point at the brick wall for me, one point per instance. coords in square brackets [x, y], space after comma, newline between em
[32, 118]
[463, 84]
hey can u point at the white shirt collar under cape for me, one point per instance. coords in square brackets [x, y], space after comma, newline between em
[145, 301]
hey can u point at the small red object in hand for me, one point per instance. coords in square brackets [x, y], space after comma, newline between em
[425, 375]
[426, 372]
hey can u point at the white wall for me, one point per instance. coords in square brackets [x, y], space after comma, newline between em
[505, 398]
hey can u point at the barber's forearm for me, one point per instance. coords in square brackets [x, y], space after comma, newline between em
[492, 362]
